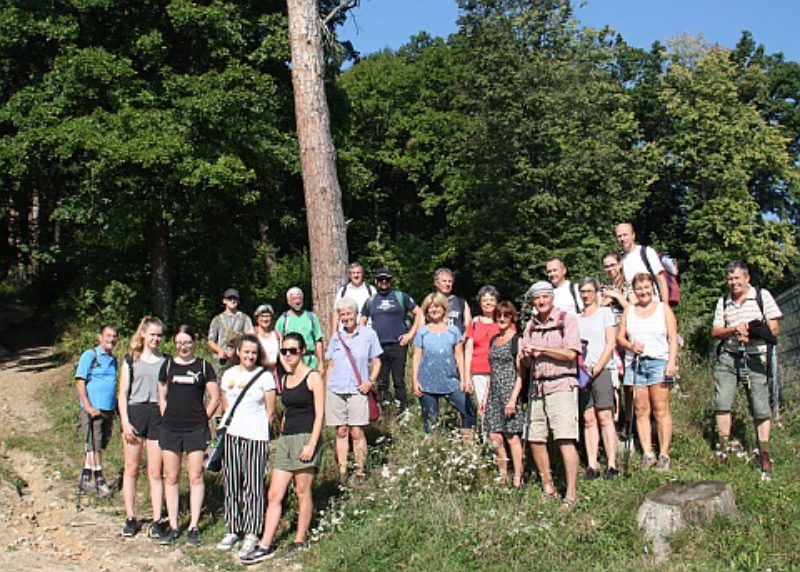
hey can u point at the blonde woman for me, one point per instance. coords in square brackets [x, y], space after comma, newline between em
[140, 418]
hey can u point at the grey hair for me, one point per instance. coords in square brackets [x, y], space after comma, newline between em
[440, 271]
[589, 280]
[347, 303]
[488, 290]
[737, 265]
[355, 265]
[294, 290]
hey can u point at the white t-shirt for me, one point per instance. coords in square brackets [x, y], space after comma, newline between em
[563, 300]
[250, 418]
[593, 330]
[632, 264]
[271, 345]
[359, 294]
[651, 332]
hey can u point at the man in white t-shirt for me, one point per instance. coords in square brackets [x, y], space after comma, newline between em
[565, 295]
[355, 289]
[633, 264]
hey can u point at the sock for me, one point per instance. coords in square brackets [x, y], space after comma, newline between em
[98, 475]
[86, 475]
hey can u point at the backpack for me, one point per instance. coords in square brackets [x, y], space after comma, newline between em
[671, 273]
[308, 313]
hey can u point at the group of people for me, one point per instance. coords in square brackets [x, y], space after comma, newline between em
[556, 375]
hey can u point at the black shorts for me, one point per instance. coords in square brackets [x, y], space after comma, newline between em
[96, 434]
[184, 441]
[146, 420]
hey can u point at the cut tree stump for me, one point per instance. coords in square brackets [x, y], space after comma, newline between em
[672, 507]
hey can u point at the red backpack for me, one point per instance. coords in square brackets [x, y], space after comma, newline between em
[670, 272]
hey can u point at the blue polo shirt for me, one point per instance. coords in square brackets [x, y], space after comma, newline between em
[99, 371]
[364, 346]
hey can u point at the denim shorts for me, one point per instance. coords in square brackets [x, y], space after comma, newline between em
[651, 371]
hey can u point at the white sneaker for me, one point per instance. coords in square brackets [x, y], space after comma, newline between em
[250, 542]
[228, 541]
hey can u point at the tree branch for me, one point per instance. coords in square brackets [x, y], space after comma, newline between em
[344, 5]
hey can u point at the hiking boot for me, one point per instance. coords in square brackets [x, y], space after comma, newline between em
[294, 549]
[103, 489]
[228, 541]
[169, 537]
[131, 528]
[611, 474]
[249, 544]
[591, 474]
[258, 554]
[85, 486]
[662, 466]
[765, 462]
[648, 461]
[193, 538]
[721, 453]
[157, 529]
[341, 479]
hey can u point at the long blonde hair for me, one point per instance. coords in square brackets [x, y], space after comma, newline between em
[137, 340]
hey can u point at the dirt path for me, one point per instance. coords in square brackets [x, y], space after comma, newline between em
[40, 528]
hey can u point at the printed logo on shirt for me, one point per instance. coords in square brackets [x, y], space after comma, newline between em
[190, 378]
[386, 304]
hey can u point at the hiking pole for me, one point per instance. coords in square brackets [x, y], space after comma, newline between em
[629, 443]
[79, 492]
[526, 427]
[743, 372]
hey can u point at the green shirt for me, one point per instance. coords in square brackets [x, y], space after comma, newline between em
[307, 325]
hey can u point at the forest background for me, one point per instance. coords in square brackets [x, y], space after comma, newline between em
[149, 158]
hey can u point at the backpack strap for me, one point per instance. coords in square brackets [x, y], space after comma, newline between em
[400, 300]
[285, 317]
[310, 315]
[760, 302]
[129, 362]
[573, 290]
[371, 290]
[643, 253]
[343, 290]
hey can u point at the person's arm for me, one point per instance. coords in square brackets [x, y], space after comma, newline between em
[672, 338]
[458, 349]
[469, 348]
[318, 390]
[608, 350]
[335, 322]
[319, 354]
[374, 372]
[419, 321]
[415, 361]
[83, 396]
[223, 401]
[511, 404]
[269, 404]
[212, 387]
[128, 432]
[622, 334]
[467, 313]
[162, 397]
[558, 354]
[213, 334]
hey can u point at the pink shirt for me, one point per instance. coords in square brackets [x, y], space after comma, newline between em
[559, 331]
[481, 335]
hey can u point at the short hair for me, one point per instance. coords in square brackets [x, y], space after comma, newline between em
[107, 326]
[556, 259]
[252, 339]
[440, 271]
[294, 290]
[732, 267]
[642, 277]
[488, 290]
[353, 265]
[347, 303]
[507, 307]
[589, 280]
[620, 223]
[435, 299]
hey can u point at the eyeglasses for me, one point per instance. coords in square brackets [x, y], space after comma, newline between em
[588, 291]
[290, 351]
[383, 279]
[184, 344]
[508, 315]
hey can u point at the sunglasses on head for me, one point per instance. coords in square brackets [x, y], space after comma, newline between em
[290, 351]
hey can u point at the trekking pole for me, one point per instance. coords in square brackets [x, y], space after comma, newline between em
[629, 445]
[89, 439]
[526, 427]
[743, 372]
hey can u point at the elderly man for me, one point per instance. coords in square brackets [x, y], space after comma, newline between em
[304, 322]
[743, 320]
[551, 341]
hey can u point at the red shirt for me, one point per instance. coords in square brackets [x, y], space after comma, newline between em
[481, 335]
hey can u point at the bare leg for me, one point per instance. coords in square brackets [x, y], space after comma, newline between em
[172, 473]
[724, 422]
[305, 505]
[591, 437]
[197, 488]
[342, 447]
[542, 461]
[500, 455]
[156, 480]
[515, 445]
[609, 433]
[132, 454]
[569, 453]
[278, 485]
[643, 420]
[659, 396]
[762, 429]
[359, 448]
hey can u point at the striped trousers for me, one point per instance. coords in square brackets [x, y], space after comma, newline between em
[245, 470]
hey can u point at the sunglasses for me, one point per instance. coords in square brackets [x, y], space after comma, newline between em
[290, 351]
[505, 315]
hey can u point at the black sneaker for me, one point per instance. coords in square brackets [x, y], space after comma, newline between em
[258, 554]
[611, 473]
[294, 549]
[591, 474]
[193, 537]
[157, 529]
[131, 528]
[169, 537]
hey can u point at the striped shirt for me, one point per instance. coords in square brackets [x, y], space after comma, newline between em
[556, 375]
[729, 314]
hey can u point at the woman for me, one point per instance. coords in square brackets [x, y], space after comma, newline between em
[649, 332]
[614, 295]
[353, 368]
[140, 419]
[246, 444]
[503, 420]
[438, 366]
[268, 336]
[598, 330]
[480, 331]
[184, 382]
[298, 451]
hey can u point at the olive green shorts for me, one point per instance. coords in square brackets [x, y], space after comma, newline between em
[726, 383]
[287, 453]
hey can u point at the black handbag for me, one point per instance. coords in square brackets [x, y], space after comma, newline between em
[216, 449]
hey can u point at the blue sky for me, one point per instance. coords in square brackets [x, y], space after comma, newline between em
[377, 24]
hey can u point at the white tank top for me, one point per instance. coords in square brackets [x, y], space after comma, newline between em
[651, 332]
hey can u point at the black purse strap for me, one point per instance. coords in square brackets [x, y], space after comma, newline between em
[228, 416]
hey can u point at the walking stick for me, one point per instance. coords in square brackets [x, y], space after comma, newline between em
[743, 373]
[526, 427]
[89, 439]
[630, 443]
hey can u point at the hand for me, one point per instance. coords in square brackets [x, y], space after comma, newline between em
[417, 388]
[92, 412]
[511, 408]
[307, 453]
[637, 347]
[365, 387]
[742, 330]
[228, 354]
[129, 433]
[404, 339]
[467, 386]
[221, 354]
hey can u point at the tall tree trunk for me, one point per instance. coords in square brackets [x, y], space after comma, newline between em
[160, 275]
[326, 229]
[34, 212]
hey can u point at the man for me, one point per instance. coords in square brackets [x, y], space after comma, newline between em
[96, 382]
[226, 328]
[565, 292]
[304, 322]
[743, 359]
[388, 309]
[460, 313]
[552, 341]
[633, 263]
[355, 289]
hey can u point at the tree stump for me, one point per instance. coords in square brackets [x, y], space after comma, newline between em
[672, 507]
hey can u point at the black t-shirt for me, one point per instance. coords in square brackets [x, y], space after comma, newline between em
[186, 388]
[457, 309]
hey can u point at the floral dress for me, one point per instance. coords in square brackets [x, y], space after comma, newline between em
[502, 383]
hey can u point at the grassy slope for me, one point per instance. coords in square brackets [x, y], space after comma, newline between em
[440, 509]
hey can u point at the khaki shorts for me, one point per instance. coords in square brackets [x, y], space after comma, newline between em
[351, 409]
[726, 384]
[556, 413]
[287, 453]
